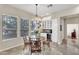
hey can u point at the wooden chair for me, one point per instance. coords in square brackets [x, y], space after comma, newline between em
[35, 46]
[26, 41]
[64, 41]
[45, 42]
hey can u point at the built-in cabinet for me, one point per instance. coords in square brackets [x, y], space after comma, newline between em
[47, 27]
[47, 24]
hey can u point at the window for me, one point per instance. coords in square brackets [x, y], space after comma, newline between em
[24, 27]
[9, 26]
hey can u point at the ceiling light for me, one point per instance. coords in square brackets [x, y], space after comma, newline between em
[36, 17]
[50, 5]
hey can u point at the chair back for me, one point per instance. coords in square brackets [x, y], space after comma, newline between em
[25, 39]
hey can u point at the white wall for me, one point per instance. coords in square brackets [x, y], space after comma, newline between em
[61, 32]
[9, 10]
[55, 30]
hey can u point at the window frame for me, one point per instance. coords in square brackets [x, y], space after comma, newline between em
[4, 39]
[26, 19]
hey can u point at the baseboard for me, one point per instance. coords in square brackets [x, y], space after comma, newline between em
[11, 47]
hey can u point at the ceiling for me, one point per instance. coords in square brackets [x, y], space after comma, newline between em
[43, 9]
[71, 16]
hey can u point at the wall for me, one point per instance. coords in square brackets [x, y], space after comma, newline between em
[72, 20]
[67, 12]
[9, 10]
[62, 31]
[64, 22]
[55, 30]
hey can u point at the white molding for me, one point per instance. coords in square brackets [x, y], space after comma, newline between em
[11, 47]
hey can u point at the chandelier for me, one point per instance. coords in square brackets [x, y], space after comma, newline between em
[36, 10]
[36, 17]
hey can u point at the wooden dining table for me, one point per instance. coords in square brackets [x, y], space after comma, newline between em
[35, 45]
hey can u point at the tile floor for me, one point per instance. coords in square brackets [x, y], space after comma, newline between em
[54, 49]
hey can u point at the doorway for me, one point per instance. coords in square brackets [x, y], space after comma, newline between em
[71, 28]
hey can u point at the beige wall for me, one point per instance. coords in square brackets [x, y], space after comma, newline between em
[9, 10]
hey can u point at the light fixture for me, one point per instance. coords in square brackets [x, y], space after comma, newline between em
[36, 17]
[36, 10]
[36, 22]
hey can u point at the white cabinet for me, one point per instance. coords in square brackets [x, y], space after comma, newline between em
[47, 24]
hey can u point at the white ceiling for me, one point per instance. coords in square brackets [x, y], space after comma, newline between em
[43, 9]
